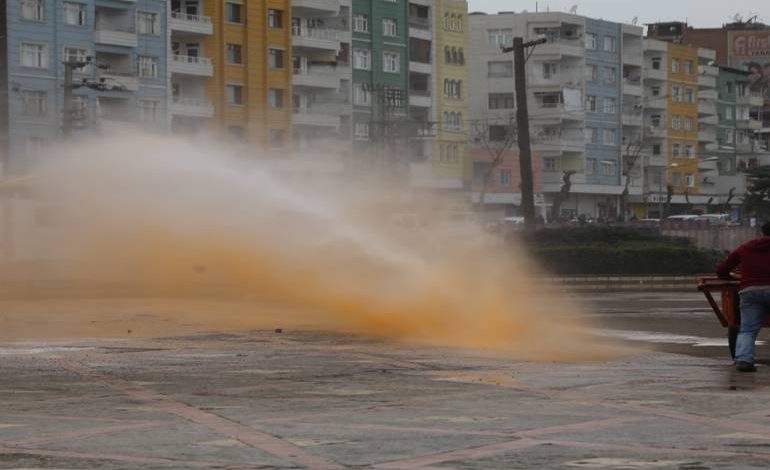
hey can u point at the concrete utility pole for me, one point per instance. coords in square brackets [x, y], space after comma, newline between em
[522, 123]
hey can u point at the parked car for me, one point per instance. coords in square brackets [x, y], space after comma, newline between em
[681, 218]
[714, 219]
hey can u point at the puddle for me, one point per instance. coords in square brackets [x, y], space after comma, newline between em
[667, 338]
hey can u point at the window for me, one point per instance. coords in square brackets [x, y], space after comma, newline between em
[74, 14]
[675, 65]
[361, 97]
[688, 123]
[591, 103]
[234, 54]
[729, 87]
[656, 63]
[390, 62]
[275, 58]
[591, 135]
[592, 72]
[609, 44]
[729, 136]
[500, 69]
[274, 18]
[33, 103]
[362, 59]
[389, 27]
[147, 23]
[688, 151]
[361, 24]
[676, 93]
[32, 10]
[501, 101]
[148, 67]
[610, 105]
[550, 70]
[505, 177]
[34, 55]
[656, 149]
[500, 37]
[277, 137]
[149, 110]
[689, 95]
[676, 122]
[609, 136]
[676, 179]
[275, 98]
[610, 75]
[235, 94]
[688, 67]
[234, 12]
[75, 54]
[591, 41]
[608, 168]
[689, 180]
[460, 56]
[676, 150]
[655, 91]
[590, 166]
[549, 164]
[729, 113]
[361, 131]
[655, 120]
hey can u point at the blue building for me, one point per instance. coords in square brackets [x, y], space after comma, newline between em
[124, 87]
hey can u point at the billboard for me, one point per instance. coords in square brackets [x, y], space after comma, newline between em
[750, 50]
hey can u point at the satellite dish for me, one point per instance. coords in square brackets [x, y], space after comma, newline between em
[635, 21]
[573, 10]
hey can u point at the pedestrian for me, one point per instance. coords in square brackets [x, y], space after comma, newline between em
[753, 257]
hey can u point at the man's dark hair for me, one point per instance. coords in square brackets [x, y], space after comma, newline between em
[766, 229]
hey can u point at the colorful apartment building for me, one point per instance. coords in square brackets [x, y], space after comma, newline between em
[231, 70]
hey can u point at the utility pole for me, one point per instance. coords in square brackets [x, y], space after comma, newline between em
[69, 70]
[522, 122]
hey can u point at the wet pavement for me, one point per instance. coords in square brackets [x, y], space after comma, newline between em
[303, 399]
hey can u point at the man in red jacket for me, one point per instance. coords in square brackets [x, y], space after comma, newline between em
[754, 260]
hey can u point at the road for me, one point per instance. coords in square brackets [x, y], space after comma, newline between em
[258, 398]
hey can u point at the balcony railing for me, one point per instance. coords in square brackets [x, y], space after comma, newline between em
[316, 33]
[178, 15]
[419, 23]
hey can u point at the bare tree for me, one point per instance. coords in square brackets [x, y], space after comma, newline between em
[562, 195]
[730, 197]
[631, 157]
[496, 137]
[667, 207]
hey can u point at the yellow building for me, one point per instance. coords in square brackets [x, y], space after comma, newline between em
[682, 118]
[232, 69]
[450, 150]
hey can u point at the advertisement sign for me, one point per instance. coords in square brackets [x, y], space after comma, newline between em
[750, 50]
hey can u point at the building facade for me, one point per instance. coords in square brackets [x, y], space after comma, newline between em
[124, 85]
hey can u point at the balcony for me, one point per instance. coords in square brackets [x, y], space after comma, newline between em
[632, 87]
[707, 135]
[633, 56]
[751, 124]
[317, 77]
[191, 24]
[191, 65]
[753, 99]
[420, 99]
[118, 81]
[315, 117]
[115, 36]
[657, 132]
[316, 38]
[562, 48]
[707, 81]
[192, 107]
[632, 120]
[707, 95]
[419, 23]
[707, 108]
[654, 74]
[559, 144]
[317, 7]
[655, 160]
[712, 120]
[420, 67]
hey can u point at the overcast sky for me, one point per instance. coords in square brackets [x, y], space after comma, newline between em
[703, 13]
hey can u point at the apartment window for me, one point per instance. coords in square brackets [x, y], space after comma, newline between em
[274, 18]
[389, 27]
[361, 96]
[550, 70]
[676, 122]
[656, 149]
[234, 54]
[689, 95]
[500, 69]
[655, 120]
[74, 14]
[234, 12]
[362, 59]
[275, 98]
[148, 67]
[592, 72]
[676, 150]
[729, 87]
[609, 44]
[688, 67]
[729, 113]
[500, 37]
[361, 24]
[675, 66]
[147, 23]
[609, 136]
[361, 131]
[590, 166]
[76, 54]
[501, 101]
[549, 164]
[688, 123]
[34, 55]
[277, 137]
[610, 75]
[591, 135]
[591, 41]
[235, 94]
[610, 105]
[655, 90]
[609, 168]
[34, 103]
[498, 133]
[390, 62]
[729, 136]
[689, 180]
[676, 93]
[591, 103]
[656, 63]
[689, 151]
[275, 58]
[149, 110]
[505, 177]
[32, 10]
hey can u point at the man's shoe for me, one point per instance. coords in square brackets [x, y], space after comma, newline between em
[745, 367]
